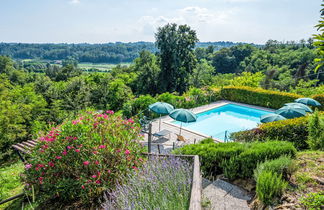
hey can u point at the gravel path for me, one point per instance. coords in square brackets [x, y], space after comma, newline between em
[225, 196]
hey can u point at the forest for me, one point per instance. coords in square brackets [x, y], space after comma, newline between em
[95, 53]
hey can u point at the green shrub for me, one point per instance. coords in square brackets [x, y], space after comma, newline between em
[236, 159]
[259, 152]
[269, 186]
[320, 99]
[212, 154]
[207, 141]
[79, 159]
[313, 201]
[292, 130]
[284, 165]
[316, 132]
[139, 106]
[258, 96]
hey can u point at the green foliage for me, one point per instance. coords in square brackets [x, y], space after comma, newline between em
[315, 132]
[283, 165]
[79, 159]
[319, 41]
[313, 200]
[202, 75]
[148, 70]
[212, 154]
[259, 152]
[236, 159]
[307, 88]
[292, 130]
[20, 108]
[248, 79]
[258, 96]
[177, 59]
[320, 99]
[139, 106]
[269, 187]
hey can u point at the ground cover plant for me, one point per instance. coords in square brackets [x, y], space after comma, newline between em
[10, 184]
[80, 159]
[161, 183]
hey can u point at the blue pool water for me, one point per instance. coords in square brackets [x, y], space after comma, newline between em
[230, 118]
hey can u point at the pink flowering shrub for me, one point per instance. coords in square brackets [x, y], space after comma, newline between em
[80, 159]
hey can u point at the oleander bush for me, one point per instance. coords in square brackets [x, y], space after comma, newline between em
[236, 159]
[269, 187]
[79, 159]
[258, 96]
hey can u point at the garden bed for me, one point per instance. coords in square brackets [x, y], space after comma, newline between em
[164, 181]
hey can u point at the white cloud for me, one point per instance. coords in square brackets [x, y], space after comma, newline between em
[74, 1]
[199, 18]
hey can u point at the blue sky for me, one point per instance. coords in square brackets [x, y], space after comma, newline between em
[101, 21]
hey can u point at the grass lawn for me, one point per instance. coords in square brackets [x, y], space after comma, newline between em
[10, 184]
[307, 179]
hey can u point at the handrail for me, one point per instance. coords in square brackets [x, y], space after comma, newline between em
[226, 137]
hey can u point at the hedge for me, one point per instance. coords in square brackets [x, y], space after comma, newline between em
[236, 159]
[258, 96]
[292, 130]
[320, 99]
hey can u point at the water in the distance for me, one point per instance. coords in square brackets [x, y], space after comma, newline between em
[230, 118]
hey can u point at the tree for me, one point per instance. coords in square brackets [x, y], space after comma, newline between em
[177, 59]
[319, 43]
[148, 70]
[202, 75]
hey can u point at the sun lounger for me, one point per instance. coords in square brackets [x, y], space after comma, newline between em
[162, 133]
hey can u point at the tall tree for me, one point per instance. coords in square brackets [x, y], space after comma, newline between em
[177, 59]
[319, 43]
[147, 69]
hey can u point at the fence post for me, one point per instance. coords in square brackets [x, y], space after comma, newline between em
[173, 146]
[159, 148]
[150, 138]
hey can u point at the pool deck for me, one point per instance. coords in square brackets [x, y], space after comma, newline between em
[166, 144]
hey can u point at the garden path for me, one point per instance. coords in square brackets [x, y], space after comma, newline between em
[225, 196]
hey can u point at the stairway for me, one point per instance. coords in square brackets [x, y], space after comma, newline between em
[224, 196]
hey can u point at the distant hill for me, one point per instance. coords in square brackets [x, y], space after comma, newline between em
[94, 53]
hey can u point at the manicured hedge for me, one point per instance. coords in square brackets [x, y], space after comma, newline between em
[258, 96]
[293, 130]
[236, 159]
[319, 98]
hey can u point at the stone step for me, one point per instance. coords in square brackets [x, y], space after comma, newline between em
[223, 195]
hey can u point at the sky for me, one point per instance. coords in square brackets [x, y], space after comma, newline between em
[102, 21]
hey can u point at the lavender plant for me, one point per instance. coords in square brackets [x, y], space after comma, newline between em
[161, 183]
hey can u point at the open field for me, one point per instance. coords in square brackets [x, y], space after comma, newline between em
[100, 66]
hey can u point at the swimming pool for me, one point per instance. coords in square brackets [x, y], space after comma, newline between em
[227, 118]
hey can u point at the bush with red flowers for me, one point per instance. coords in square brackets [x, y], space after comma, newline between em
[79, 159]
